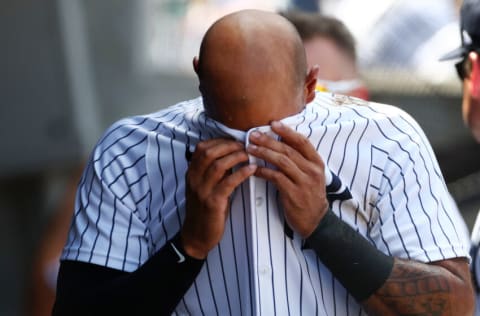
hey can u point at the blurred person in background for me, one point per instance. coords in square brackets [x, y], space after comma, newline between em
[330, 45]
[468, 70]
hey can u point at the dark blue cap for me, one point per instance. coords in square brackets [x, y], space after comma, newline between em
[469, 30]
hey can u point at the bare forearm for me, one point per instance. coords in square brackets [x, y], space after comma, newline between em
[414, 288]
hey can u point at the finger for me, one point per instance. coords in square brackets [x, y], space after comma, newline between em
[297, 141]
[226, 187]
[205, 144]
[282, 161]
[218, 168]
[282, 182]
[205, 152]
[266, 141]
[208, 151]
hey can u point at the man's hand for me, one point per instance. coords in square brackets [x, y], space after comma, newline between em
[299, 176]
[209, 184]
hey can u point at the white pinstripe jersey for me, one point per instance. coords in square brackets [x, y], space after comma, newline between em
[384, 182]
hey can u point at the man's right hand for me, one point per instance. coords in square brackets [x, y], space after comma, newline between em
[209, 184]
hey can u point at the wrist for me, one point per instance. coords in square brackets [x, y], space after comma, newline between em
[313, 225]
[182, 255]
[192, 247]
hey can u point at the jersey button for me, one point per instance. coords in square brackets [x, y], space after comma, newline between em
[264, 270]
[259, 201]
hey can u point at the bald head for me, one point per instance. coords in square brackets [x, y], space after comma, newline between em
[252, 65]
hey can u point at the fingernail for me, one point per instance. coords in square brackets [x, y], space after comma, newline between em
[255, 134]
[277, 124]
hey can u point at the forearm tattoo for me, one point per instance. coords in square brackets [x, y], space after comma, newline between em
[417, 289]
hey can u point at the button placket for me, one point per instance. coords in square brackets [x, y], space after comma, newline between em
[259, 269]
[262, 266]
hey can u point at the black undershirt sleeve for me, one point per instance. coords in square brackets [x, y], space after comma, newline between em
[153, 289]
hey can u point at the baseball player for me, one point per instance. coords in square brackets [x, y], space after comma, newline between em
[468, 69]
[264, 197]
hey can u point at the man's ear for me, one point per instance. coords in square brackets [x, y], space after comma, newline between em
[195, 64]
[310, 84]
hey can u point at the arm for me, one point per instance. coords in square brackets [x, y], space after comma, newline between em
[161, 282]
[156, 287]
[387, 285]
[438, 288]
[403, 286]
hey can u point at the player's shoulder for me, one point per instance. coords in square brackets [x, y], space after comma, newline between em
[127, 137]
[347, 108]
[130, 128]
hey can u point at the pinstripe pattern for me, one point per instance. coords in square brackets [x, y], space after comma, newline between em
[384, 181]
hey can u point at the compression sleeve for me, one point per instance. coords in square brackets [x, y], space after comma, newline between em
[153, 289]
[359, 266]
